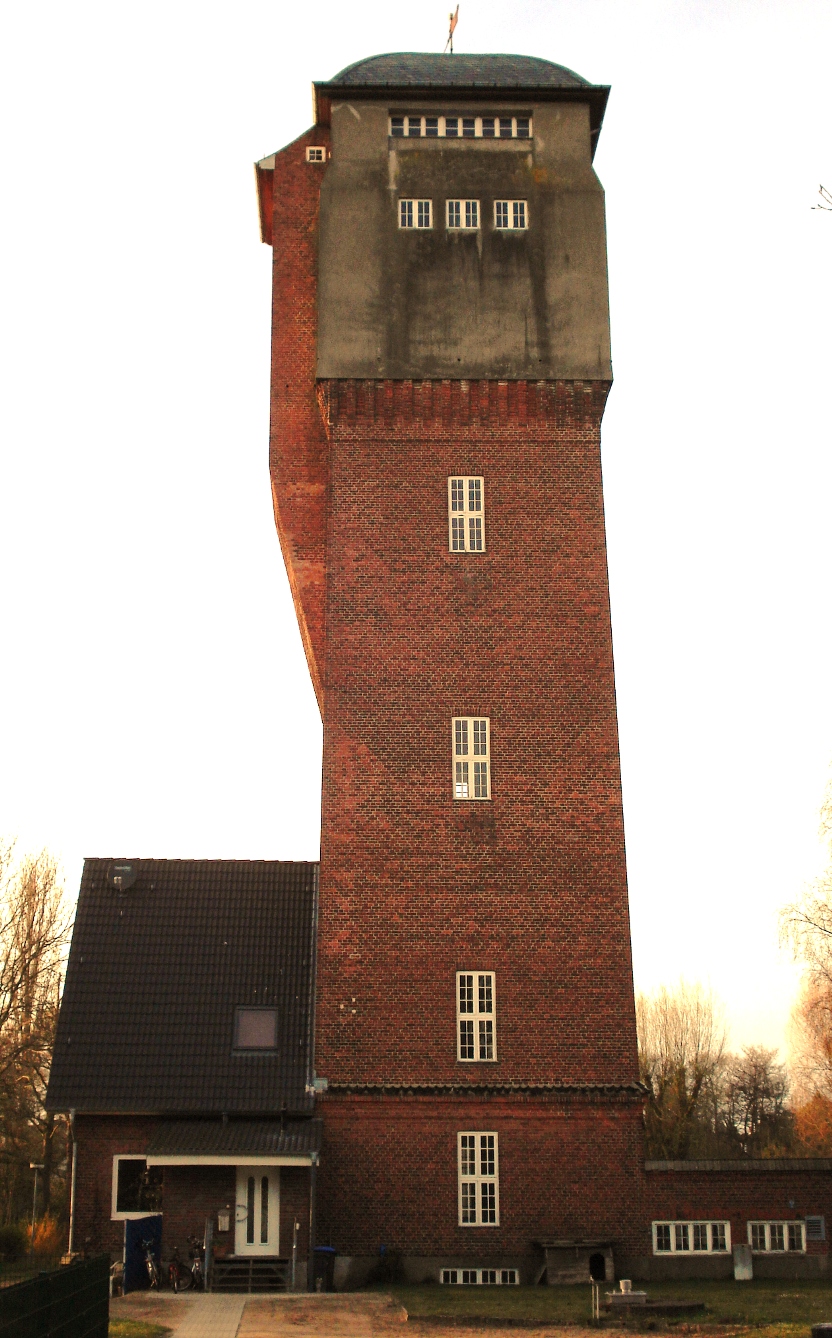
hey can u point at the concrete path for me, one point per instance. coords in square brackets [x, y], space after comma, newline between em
[338, 1315]
[212, 1316]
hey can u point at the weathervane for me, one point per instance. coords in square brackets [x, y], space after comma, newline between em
[454, 20]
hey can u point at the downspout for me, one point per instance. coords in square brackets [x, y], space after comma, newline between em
[71, 1246]
[310, 1267]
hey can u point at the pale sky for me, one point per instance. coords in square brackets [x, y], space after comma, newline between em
[155, 696]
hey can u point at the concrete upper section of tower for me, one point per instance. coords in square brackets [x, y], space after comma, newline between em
[437, 302]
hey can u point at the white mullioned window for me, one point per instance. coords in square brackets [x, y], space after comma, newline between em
[777, 1237]
[691, 1237]
[491, 126]
[471, 742]
[462, 215]
[479, 1194]
[315, 154]
[466, 514]
[482, 1277]
[415, 214]
[476, 1031]
[511, 215]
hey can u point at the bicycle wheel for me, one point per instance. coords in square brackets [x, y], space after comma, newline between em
[184, 1280]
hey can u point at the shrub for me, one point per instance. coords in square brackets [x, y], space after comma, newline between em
[48, 1237]
[14, 1241]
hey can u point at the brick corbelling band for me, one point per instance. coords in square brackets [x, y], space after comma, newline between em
[632, 1090]
[461, 403]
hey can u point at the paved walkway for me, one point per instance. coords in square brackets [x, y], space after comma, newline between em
[336, 1315]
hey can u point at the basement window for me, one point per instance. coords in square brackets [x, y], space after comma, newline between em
[315, 154]
[255, 1029]
[479, 1195]
[476, 1039]
[691, 1237]
[462, 215]
[480, 1277]
[136, 1188]
[511, 215]
[472, 757]
[415, 214]
[466, 513]
[776, 1237]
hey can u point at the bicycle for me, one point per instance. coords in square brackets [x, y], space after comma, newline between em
[150, 1264]
[182, 1277]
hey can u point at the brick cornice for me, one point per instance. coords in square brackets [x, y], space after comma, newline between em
[462, 403]
[634, 1091]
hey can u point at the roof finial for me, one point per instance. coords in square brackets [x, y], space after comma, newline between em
[454, 20]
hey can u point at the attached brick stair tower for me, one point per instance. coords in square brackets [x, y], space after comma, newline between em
[440, 366]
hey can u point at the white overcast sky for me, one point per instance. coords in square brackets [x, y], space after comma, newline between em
[154, 694]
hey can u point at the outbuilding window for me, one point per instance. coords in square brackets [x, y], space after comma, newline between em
[466, 513]
[777, 1237]
[479, 1195]
[691, 1237]
[471, 742]
[315, 154]
[476, 1032]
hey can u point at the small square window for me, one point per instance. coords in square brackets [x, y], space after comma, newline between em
[315, 154]
[255, 1029]
[451, 127]
[469, 127]
[505, 127]
[431, 127]
[397, 126]
[414, 126]
[488, 127]
[523, 127]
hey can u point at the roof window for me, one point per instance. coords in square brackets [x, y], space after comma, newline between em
[255, 1029]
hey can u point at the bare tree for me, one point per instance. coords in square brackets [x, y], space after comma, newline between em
[34, 932]
[681, 1044]
[755, 1096]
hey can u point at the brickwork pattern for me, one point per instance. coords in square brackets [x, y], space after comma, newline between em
[415, 885]
[298, 447]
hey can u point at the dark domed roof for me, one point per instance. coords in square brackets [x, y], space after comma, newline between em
[427, 70]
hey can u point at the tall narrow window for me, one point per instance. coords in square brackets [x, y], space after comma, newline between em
[471, 742]
[479, 1197]
[466, 513]
[476, 1035]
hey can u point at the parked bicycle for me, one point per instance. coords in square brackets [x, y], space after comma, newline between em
[150, 1264]
[184, 1276]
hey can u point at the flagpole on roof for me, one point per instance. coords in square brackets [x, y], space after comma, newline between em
[454, 20]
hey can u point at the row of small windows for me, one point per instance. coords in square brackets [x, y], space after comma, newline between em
[480, 1277]
[465, 215]
[715, 1237]
[461, 127]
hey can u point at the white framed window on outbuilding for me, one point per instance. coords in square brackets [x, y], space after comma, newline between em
[691, 1237]
[479, 1172]
[476, 1020]
[471, 743]
[777, 1237]
[466, 513]
[315, 153]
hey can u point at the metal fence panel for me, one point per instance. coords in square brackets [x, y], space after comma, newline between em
[71, 1302]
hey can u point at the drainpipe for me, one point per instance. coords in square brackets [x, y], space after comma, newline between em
[313, 1177]
[71, 1246]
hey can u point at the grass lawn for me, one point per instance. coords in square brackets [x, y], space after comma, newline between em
[781, 1308]
[135, 1328]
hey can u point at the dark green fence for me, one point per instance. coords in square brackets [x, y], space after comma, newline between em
[71, 1302]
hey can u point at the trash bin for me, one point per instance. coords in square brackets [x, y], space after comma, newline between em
[324, 1268]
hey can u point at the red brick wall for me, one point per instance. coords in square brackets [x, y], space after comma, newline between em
[415, 886]
[298, 452]
[191, 1195]
[99, 1139]
[389, 1173]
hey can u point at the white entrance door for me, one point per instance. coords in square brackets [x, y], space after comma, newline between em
[256, 1224]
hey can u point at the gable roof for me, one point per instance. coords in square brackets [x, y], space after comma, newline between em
[156, 973]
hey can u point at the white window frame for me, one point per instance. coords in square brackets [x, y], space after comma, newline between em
[469, 215]
[315, 153]
[402, 125]
[517, 216]
[115, 1215]
[683, 1235]
[414, 211]
[480, 1277]
[475, 1181]
[479, 989]
[471, 753]
[788, 1227]
[466, 513]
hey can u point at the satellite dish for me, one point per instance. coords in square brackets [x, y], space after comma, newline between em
[122, 874]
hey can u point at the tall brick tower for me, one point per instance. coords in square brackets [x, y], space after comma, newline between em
[440, 366]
